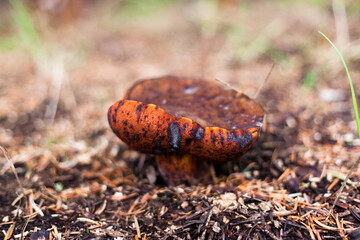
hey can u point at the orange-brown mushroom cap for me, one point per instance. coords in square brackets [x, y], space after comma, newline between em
[173, 114]
[159, 116]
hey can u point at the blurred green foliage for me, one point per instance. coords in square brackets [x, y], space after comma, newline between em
[309, 79]
[276, 54]
[26, 34]
[134, 9]
[8, 43]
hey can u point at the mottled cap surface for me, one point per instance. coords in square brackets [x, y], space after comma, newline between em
[204, 102]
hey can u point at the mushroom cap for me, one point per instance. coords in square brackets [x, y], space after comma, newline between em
[177, 114]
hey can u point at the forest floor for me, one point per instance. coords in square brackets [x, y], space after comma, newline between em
[77, 180]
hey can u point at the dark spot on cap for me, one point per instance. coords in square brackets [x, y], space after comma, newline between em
[198, 133]
[222, 139]
[230, 136]
[125, 122]
[126, 134]
[247, 139]
[243, 140]
[144, 132]
[114, 118]
[115, 131]
[136, 137]
[138, 109]
[174, 134]
[213, 138]
[156, 148]
[109, 116]
[116, 110]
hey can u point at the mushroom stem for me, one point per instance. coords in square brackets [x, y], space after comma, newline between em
[179, 168]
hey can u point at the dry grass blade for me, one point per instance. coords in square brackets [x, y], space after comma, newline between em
[101, 208]
[263, 83]
[138, 233]
[227, 85]
[325, 226]
[57, 75]
[9, 232]
[12, 168]
[34, 206]
[83, 219]
[257, 91]
[28, 218]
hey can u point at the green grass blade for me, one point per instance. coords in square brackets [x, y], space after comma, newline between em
[350, 82]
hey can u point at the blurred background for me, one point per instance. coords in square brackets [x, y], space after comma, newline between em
[64, 62]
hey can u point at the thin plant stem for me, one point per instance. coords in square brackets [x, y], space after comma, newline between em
[12, 168]
[263, 83]
[356, 118]
[356, 112]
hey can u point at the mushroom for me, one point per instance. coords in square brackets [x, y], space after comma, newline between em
[186, 123]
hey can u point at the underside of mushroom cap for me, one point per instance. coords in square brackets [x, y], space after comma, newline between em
[170, 114]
